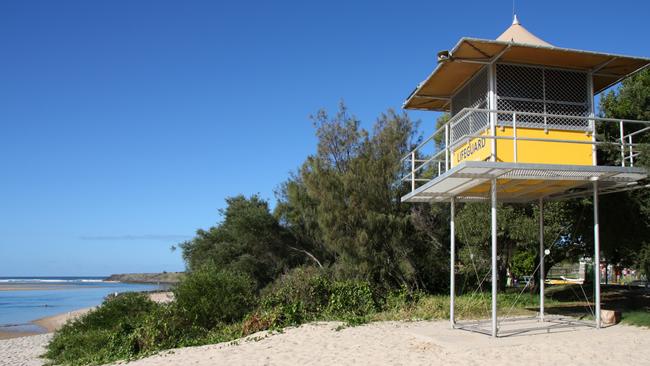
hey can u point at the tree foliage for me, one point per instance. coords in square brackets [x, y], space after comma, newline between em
[627, 215]
[210, 296]
[346, 200]
[341, 211]
[518, 237]
[249, 240]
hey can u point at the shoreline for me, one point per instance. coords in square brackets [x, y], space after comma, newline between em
[67, 286]
[14, 335]
[40, 287]
[44, 325]
[52, 323]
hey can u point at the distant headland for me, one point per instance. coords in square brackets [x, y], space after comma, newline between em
[164, 277]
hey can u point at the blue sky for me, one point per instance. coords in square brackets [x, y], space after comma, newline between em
[125, 124]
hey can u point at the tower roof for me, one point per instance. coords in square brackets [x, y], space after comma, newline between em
[516, 33]
[518, 46]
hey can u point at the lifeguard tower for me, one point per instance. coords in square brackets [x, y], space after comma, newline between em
[522, 128]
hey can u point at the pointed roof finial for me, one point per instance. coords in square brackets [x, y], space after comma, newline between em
[518, 34]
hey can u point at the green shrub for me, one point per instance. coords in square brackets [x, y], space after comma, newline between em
[104, 334]
[210, 306]
[208, 296]
[296, 297]
[127, 307]
[164, 328]
[308, 294]
[351, 301]
[401, 299]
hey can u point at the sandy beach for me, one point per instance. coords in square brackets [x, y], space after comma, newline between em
[23, 351]
[389, 343]
[52, 323]
[417, 343]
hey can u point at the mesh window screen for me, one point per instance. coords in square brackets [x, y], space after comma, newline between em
[542, 90]
[566, 86]
[520, 82]
[473, 95]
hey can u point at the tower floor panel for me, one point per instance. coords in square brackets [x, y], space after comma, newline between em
[521, 182]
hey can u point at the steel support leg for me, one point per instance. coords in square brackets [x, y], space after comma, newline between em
[452, 260]
[493, 193]
[596, 255]
[541, 259]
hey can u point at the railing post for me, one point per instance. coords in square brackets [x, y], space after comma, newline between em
[545, 123]
[592, 122]
[629, 140]
[471, 122]
[492, 105]
[447, 138]
[412, 170]
[514, 135]
[493, 140]
[622, 144]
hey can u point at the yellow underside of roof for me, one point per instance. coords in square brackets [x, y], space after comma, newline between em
[450, 75]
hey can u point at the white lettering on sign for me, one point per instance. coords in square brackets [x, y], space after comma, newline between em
[471, 148]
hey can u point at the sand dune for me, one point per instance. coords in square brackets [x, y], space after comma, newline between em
[417, 343]
[389, 343]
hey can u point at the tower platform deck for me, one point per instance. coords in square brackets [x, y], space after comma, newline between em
[522, 182]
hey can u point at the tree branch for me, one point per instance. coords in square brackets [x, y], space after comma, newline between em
[308, 254]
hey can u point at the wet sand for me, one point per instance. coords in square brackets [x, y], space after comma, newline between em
[17, 334]
[40, 326]
[52, 323]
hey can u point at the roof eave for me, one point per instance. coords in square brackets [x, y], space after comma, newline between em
[510, 43]
[417, 89]
[505, 43]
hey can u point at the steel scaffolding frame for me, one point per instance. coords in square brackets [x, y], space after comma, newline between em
[451, 183]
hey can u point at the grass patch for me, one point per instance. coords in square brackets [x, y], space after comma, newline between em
[477, 306]
[638, 318]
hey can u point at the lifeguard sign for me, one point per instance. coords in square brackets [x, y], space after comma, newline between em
[522, 128]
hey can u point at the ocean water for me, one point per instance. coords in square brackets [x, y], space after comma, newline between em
[24, 299]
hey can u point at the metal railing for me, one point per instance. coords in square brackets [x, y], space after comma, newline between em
[472, 123]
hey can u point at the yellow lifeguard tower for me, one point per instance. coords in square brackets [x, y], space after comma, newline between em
[522, 128]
